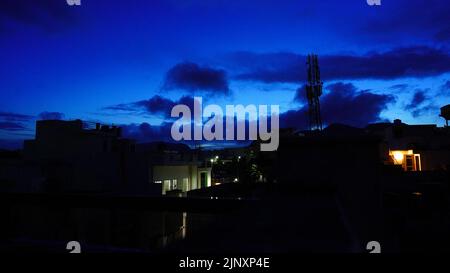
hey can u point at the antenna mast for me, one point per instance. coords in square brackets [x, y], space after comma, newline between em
[313, 92]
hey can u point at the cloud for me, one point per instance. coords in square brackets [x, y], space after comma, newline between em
[420, 103]
[300, 96]
[156, 105]
[8, 116]
[48, 15]
[342, 104]
[11, 126]
[13, 121]
[51, 116]
[418, 98]
[193, 78]
[406, 19]
[419, 61]
[145, 132]
[399, 87]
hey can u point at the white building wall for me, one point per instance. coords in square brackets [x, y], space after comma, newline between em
[187, 176]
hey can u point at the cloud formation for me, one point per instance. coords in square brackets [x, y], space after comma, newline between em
[11, 126]
[418, 61]
[156, 105]
[48, 15]
[51, 116]
[8, 116]
[145, 132]
[418, 98]
[420, 103]
[194, 78]
[13, 121]
[342, 104]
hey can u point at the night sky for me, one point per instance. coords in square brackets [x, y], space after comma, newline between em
[127, 62]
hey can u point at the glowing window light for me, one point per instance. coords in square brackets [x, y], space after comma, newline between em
[409, 160]
[399, 155]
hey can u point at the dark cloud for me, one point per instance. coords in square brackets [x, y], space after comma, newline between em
[418, 98]
[423, 110]
[420, 103]
[11, 126]
[13, 121]
[192, 77]
[300, 95]
[163, 106]
[145, 132]
[51, 116]
[8, 116]
[156, 105]
[420, 61]
[399, 87]
[268, 67]
[406, 19]
[342, 104]
[49, 15]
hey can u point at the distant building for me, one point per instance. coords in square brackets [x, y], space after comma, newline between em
[75, 158]
[414, 147]
[172, 167]
[181, 177]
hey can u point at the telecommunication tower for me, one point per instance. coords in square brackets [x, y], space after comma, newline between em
[313, 92]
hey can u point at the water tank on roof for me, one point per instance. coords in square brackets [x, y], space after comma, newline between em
[445, 112]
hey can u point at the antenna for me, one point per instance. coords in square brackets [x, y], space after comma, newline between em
[313, 92]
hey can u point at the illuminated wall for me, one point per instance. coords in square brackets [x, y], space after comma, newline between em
[407, 159]
[180, 177]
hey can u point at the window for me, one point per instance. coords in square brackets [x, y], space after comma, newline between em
[174, 184]
[166, 186]
[409, 160]
[418, 163]
[158, 182]
[186, 184]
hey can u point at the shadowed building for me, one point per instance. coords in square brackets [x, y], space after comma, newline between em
[414, 147]
[75, 158]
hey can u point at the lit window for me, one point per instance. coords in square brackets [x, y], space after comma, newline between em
[407, 159]
[174, 184]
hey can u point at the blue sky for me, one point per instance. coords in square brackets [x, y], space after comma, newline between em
[59, 61]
